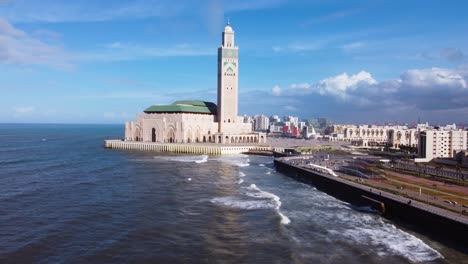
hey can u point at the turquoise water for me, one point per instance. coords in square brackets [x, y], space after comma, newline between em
[66, 199]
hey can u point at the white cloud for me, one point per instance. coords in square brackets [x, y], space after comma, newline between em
[429, 78]
[118, 51]
[304, 46]
[331, 17]
[353, 46]
[417, 89]
[116, 115]
[291, 108]
[276, 90]
[24, 109]
[57, 11]
[277, 49]
[114, 45]
[7, 29]
[18, 47]
[337, 86]
[299, 46]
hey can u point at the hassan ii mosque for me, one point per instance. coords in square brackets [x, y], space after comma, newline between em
[191, 121]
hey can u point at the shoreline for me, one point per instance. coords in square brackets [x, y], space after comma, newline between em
[434, 222]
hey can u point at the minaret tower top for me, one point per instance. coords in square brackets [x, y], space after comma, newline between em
[228, 35]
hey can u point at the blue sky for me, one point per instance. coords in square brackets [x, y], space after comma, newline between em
[362, 61]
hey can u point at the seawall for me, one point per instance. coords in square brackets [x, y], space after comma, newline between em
[195, 148]
[433, 222]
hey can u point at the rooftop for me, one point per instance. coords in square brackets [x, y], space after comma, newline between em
[185, 106]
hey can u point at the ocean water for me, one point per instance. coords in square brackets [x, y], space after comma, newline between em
[66, 199]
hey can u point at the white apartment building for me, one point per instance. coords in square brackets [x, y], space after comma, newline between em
[294, 120]
[441, 143]
[261, 123]
[309, 132]
[276, 128]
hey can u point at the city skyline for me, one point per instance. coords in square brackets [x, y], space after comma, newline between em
[353, 62]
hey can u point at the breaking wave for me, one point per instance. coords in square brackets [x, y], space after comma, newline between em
[387, 239]
[273, 198]
[358, 226]
[196, 159]
[264, 200]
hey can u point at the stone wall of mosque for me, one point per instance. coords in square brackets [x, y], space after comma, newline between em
[171, 128]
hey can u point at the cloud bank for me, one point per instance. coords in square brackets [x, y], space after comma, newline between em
[436, 93]
[19, 47]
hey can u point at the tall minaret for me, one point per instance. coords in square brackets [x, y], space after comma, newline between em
[228, 69]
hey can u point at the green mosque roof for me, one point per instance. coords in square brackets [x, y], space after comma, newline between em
[186, 106]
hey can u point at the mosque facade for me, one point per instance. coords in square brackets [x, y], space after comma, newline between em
[193, 121]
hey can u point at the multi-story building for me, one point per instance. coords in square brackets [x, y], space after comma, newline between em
[308, 132]
[367, 135]
[319, 124]
[276, 127]
[374, 136]
[441, 143]
[301, 125]
[261, 123]
[402, 136]
[275, 119]
[292, 119]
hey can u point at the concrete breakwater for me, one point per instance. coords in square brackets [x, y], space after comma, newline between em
[437, 223]
[196, 148]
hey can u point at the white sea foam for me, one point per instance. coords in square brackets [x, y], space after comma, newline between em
[241, 174]
[236, 160]
[233, 202]
[268, 172]
[370, 230]
[345, 223]
[284, 219]
[189, 179]
[272, 197]
[196, 159]
[261, 165]
[240, 181]
[387, 239]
